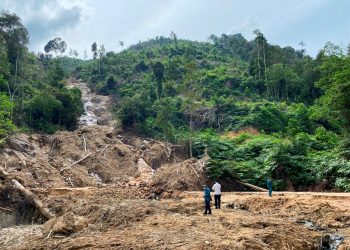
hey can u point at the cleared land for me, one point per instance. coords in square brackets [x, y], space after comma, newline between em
[111, 190]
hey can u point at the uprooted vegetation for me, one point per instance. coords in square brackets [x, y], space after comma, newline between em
[99, 187]
[133, 193]
[112, 217]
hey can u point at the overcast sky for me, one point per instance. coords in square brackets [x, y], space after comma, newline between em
[81, 22]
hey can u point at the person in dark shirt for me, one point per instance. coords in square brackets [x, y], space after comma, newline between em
[269, 186]
[207, 199]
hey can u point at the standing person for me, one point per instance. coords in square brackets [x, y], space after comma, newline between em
[207, 199]
[269, 186]
[217, 194]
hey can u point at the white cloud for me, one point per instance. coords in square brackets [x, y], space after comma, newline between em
[45, 19]
[246, 26]
[81, 22]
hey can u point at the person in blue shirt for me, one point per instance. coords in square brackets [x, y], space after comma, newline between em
[269, 186]
[207, 199]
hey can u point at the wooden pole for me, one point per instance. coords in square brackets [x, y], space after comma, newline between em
[74, 163]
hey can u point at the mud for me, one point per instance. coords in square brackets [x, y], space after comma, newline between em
[116, 218]
[134, 193]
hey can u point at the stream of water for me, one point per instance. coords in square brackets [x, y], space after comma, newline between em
[89, 117]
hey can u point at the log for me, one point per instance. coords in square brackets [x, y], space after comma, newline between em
[6, 209]
[44, 211]
[74, 163]
[252, 186]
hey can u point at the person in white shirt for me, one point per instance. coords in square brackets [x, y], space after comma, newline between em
[217, 194]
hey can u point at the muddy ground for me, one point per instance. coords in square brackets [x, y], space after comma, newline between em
[111, 190]
[113, 218]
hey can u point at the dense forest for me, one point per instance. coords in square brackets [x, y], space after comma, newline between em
[33, 91]
[256, 109]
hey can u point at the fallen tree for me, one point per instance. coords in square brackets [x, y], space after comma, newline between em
[27, 193]
[252, 186]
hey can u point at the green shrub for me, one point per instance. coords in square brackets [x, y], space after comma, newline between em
[6, 108]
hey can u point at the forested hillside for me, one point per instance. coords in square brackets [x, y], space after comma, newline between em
[105, 149]
[33, 91]
[258, 110]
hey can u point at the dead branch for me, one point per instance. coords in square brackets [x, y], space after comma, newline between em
[104, 149]
[6, 209]
[195, 172]
[48, 236]
[70, 182]
[74, 163]
[44, 211]
[84, 144]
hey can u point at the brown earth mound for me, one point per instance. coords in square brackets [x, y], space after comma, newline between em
[188, 175]
[111, 157]
[95, 182]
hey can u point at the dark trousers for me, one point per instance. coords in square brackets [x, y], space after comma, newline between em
[217, 198]
[270, 191]
[207, 207]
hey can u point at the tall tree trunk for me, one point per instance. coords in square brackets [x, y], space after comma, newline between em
[259, 61]
[16, 69]
[264, 57]
[12, 94]
[191, 133]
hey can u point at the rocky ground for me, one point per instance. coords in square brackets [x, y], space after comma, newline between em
[112, 190]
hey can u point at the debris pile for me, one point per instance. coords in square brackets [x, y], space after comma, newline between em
[99, 188]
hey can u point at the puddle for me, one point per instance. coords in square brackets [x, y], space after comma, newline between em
[328, 241]
[331, 242]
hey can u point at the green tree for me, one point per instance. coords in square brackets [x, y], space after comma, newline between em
[174, 37]
[166, 109]
[16, 37]
[6, 109]
[101, 54]
[335, 82]
[94, 50]
[158, 72]
[192, 95]
[56, 45]
[261, 43]
[282, 82]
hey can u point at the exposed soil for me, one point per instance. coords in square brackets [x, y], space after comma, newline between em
[135, 193]
[116, 218]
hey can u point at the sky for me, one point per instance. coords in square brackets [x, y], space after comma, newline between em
[82, 22]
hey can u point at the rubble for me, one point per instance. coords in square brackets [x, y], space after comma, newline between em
[111, 190]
